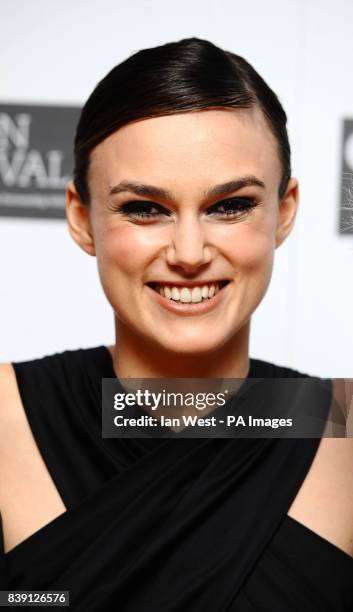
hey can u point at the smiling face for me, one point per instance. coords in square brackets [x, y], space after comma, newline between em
[186, 232]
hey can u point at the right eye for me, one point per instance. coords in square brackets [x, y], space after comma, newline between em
[141, 210]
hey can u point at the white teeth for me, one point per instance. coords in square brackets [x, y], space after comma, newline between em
[196, 295]
[175, 294]
[185, 295]
[188, 295]
[167, 292]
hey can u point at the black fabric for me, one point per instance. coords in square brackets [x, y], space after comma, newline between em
[168, 525]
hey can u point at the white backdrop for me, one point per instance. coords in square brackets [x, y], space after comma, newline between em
[55, 53]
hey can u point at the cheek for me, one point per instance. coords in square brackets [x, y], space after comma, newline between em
[126, 249]
[252, 249]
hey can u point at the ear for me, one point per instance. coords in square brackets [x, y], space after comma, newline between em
[79, 220]
[287, 211]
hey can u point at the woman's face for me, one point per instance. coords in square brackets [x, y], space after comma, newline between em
[194, 235]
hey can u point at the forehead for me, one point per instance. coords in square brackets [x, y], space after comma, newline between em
[189, 147]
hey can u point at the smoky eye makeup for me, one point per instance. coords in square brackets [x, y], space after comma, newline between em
[228, 209]
[139, 209]
[233, 206]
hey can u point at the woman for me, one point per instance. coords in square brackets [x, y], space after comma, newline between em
[182, 191]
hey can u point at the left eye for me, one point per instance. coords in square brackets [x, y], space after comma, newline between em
[232, 207]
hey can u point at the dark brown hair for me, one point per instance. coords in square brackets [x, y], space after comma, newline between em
[189, 75]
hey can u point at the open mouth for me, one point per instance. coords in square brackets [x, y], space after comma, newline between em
[189, 295]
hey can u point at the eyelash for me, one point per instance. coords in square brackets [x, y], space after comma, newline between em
[137, 209]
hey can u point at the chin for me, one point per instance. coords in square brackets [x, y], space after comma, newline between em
[192, 346]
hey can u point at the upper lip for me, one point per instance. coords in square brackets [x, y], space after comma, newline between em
[195, 283]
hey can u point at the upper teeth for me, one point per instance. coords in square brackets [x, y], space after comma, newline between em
[184, 294]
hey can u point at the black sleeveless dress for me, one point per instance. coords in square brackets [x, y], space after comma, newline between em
[167, 525]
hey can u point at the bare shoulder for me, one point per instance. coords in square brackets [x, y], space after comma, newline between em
[333, 461]
[14, 426]
[7, 373]
[12, 418]
[331, 471]
[9, 396]
[10, 411]
[335, 456]
[28, 496]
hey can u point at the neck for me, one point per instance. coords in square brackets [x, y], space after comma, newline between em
[133, 358]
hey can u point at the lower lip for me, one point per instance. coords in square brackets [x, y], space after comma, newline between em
[189, 309]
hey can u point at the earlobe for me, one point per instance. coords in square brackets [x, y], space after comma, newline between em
[287, 211]
[78, 219]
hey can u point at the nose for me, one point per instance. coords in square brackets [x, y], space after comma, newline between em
[188, 248]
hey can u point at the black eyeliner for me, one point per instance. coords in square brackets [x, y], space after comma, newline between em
[138, 207]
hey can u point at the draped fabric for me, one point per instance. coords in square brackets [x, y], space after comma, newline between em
[167, 524]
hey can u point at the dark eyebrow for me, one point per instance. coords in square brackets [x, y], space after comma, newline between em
[157, 192]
